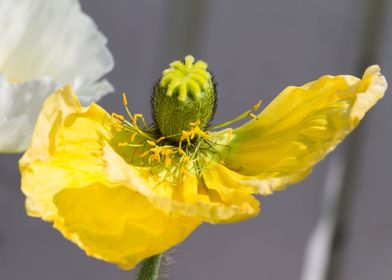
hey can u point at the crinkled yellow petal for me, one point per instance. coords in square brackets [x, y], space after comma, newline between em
[64, 180]
[190, 196]
[265, 184]
[298, 129]
[67, 140]
[117, 224]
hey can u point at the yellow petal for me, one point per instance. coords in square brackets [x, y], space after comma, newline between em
[190, 196]
[298, 129]
[219, 175]
[117, 224]
[67, 140]
[64, 180]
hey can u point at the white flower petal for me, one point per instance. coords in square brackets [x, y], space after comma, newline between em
[53, 38]
[90, 91]
[44, 45]
[20, 105]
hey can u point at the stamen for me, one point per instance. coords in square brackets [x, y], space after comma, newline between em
[145, 153]
[181, 151]
[257, 106]
[240, 117]
[125, 102]
[135, 117]
[176, 160]
[118, 126]
[167, 162]
[253, 116]
[151, 143]
[196, 123]
[186, 159]
[184, 170]
[118, 116]
[122, 144]
[125, 144]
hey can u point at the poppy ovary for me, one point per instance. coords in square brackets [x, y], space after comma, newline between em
[185, 94]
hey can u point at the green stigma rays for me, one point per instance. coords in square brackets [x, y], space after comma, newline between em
[184, 79]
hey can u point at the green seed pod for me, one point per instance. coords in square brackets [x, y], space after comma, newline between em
[185, 94]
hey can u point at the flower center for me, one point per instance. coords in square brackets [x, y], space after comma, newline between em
[145, 148]
[181, 142]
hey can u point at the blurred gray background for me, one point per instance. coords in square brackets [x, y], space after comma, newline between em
[255, 49]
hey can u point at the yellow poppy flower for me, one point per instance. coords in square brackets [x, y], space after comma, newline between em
[123, 190]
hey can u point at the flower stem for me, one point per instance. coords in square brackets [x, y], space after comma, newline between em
[149, 268]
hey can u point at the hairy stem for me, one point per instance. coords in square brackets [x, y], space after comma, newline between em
[149, 268]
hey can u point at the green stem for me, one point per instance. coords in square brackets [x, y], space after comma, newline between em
[149, 268]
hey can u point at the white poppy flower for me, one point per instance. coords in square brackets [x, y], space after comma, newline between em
[45, 44]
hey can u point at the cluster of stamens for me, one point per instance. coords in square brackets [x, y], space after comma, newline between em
[175, 159]
[193, 151]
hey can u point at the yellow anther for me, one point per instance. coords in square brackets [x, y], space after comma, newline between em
[167, 161]
[184, 170]
[201, 133]
[166, 151]
[144, 154]
[133, 137]
[122, 144]
[118, 126]
[196, 123]
[118, 116]
[151, 143]
[192, 134]
[125, 102]
[161, 138]
[186, 159]
[181, 151]
[185, 136]
[135, 117]
[257, 106]
[156, 155]
[253, 116]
